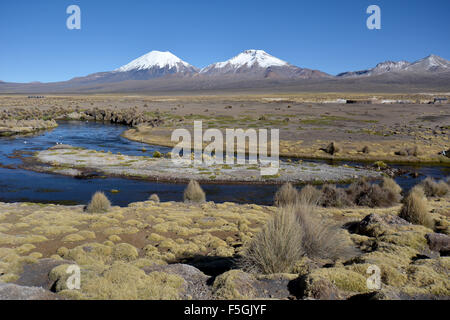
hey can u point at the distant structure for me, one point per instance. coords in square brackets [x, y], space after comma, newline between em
[36, 97]
[440, 100]
[361, 101]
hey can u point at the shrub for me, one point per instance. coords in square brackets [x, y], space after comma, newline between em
[276, 247]
[309, 195]
[194, 193]
[413, 151]
[433, 188]
[332, 148]
[365, 150]
[415, 209]
[99, 203]
[157, 154]
[154, 197]
[334, 197]
[363, 193]
[380, 165]
[286, 195]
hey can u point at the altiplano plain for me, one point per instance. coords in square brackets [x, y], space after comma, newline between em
[199, 249]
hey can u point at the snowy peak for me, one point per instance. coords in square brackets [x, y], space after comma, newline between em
[388, 66]
[430, 63]
[248, 59]
[156, 59]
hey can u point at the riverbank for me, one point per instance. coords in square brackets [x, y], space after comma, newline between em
[24, 127]
[68, 160]
[420, 151]
[412, 132]
[173, 250]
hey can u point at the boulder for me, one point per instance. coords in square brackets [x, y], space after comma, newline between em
[9, 291]
[37, 274]
[374, 225]
[239, 285]
[438, 242]
[196, 282]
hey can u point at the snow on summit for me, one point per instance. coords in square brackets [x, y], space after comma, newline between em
[154, 59]
[249, 58]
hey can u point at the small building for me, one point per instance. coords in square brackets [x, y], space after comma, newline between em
[440, 100]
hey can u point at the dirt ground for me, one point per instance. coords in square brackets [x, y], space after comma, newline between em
[414, 129]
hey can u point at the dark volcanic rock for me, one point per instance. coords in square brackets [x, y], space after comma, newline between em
[438, 242]
[373, 225]
[9, 291]
[36, 274]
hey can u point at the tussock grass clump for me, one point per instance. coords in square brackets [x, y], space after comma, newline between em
[412, 151]
[286, 195]
[320, 238]
[415, 209]
[391, 185]
[157, 154]
[292, 233]
[333, 196]
[310, 195]
[99, 203]
[194, 193]
[433, 188]
[277, 246]
[154, 197]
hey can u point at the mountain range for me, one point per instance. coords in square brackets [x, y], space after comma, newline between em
[163, 71]
[432, 63]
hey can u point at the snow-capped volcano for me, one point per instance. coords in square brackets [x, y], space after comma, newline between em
[258, 63]
[248, 58]
[157, 59]
[155, 64]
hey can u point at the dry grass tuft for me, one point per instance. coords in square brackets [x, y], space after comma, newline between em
[99, 203]
[285, 196]
[154, 197]
[194, 193]
[292, 233]
[276, 247]
[391, 185]
[415, 209]
[310, 195]
[413, 151]
[433, 188]
[321, 239]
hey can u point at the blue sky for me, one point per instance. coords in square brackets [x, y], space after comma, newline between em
[329, 35]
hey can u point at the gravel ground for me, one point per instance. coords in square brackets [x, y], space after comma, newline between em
[72, 161]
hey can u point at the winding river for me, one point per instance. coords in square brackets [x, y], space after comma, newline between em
[18, 185]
